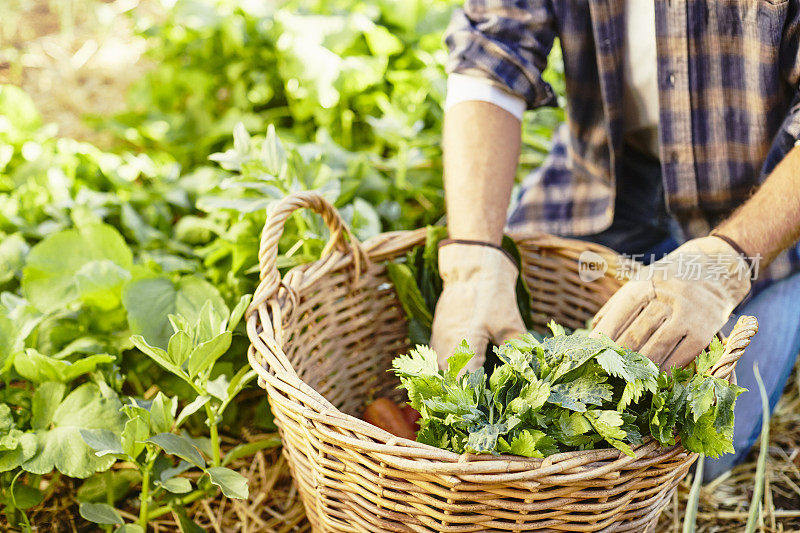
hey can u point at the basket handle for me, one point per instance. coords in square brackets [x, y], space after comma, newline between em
[737, 341]
[341, 238]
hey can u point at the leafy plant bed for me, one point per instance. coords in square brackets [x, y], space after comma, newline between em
[273, 505]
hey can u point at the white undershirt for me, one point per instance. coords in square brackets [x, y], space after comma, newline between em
[640, 98]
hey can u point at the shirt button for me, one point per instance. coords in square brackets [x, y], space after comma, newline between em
[673, 157]
[671, 79]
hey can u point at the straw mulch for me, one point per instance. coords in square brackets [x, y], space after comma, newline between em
[75, 58]
[725, 502]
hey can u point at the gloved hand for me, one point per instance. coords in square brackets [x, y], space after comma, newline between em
[478, 302]
[673, 308]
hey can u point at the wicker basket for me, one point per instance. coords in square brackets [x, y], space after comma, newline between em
[323, 338]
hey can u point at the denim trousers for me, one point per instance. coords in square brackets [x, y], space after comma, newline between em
[642, 225]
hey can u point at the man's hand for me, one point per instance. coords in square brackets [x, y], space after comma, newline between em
[675, 306]
[478, 302]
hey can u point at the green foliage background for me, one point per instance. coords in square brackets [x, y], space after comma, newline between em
[158, 237]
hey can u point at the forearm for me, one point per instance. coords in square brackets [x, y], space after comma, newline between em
[769, 222]
[481, 152]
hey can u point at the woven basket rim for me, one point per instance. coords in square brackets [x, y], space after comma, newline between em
[347, 253]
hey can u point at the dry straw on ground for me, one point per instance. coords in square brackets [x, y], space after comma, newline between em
[75, 58]
[725, 502]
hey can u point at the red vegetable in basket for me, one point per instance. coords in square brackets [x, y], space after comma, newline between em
[385, 414]
[412, 416]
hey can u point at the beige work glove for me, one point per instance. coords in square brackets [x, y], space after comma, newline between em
[672, 309]
[478, 303]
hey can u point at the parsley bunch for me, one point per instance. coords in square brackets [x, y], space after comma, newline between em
[567, 392]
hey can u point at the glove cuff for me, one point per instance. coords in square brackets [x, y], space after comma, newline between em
[477, 264]
[468, 242]
[733, 244]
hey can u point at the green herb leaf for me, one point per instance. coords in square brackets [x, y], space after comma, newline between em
[232, 483]
[59, 424]
[100, 513]
[178, 446]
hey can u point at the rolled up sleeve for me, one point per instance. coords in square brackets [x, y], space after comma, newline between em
[506, 42]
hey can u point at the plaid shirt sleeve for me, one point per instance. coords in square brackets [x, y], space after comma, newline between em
[790, 68]
[507, 42]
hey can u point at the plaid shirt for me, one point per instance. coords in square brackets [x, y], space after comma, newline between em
[728, 74]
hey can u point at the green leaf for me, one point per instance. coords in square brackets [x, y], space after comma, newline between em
[162, 413]
[239, 380]
[176, 485]
[19, 109]
[179, 348]
[462, 355]
[420, 362]
[25, 496]
[39, 368]
[565, 353]
[708, 358]
[178, 446]
[13, 250]
[191, 408]
[163, 469]
[150, 301]
[701, 396]
[16, 447]
[532, 396]
[50, 279]
[99, 284]
[218, 388]
[627, 365]
[609, 425]
[233, 484]
[273, 154]
[556, 329]
[526, 443]
[206, 354]
[249, 448]
[238, 311]
[59, 423]
[100, 513]
[702, 437]
[576, 394]
[45, 401]
[484, 438]
[156, 354]
[6, 421]
[726, 394]
[571, 428]
[135, 432]
[409, 294]
[131, 528]
[102, 441]
[115, 484]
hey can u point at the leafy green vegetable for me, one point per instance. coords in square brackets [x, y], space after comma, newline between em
[232, 483]
[100, 513]
[567, 392]
[97, 245]
[96, 265]
[58, 421]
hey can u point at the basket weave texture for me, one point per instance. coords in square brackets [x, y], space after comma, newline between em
[322, 338]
